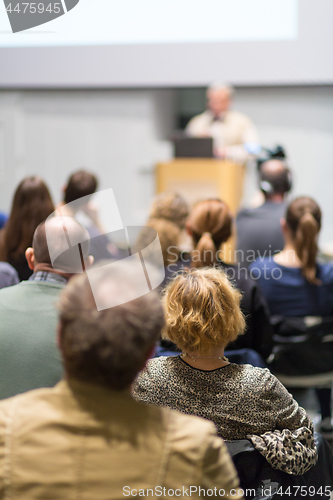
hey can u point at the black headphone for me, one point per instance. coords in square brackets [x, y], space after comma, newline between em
[285, 183]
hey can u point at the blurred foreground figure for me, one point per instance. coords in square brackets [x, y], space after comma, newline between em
[229, 129]
[87, 436]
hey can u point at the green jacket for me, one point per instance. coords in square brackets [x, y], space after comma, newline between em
[29, 357]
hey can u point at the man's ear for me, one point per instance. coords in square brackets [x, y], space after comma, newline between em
[188, 228]
[283, 225]
[30, 256]
[89, 262]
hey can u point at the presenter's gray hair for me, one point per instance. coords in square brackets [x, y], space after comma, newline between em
[215, 86]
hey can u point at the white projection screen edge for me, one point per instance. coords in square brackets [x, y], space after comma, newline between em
[307, 59]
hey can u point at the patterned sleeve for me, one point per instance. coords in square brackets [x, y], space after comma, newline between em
[290, 447]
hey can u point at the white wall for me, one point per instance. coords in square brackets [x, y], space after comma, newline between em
[300, 119]
[121, 134]
[117, 134]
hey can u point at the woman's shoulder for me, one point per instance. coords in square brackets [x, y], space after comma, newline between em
[263, 266]
[159, 367]
[251, 372]
[325, 272]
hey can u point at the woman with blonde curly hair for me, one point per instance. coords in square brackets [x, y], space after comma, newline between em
[203, 316]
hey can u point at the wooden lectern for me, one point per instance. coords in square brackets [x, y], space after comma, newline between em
[197, 179]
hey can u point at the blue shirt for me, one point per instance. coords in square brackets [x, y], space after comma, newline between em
[3, 219]
[288, 293]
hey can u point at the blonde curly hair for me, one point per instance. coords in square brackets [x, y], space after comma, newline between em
[202, 310]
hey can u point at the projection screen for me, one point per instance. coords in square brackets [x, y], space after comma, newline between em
[103, 43]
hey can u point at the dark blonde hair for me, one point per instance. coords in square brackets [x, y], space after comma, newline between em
[210, 223]
[202, 310]
[303, 217]
[169, 235]
[170, 206]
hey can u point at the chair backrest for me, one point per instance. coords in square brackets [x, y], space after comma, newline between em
[302, 346]
[261, 481]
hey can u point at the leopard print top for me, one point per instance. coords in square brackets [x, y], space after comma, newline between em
[243, 401]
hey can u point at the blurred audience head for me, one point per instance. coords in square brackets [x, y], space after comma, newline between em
[302, 226]
[49, 238]
[32, 204]
[210, 225]
[219, 97]
[80, 184]
[108, 347]
[202, 311]
[169, 236]
[170, 206]
[274, 179]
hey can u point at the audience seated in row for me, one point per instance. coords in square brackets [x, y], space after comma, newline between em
[202, 317]
[104, 350]
[295, 284]
[87, 436]
[258, 229]
[209, 225]
[29, 357]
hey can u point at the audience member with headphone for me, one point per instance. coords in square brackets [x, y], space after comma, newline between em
[258, 229]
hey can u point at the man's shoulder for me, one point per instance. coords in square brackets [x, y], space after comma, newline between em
[29, 293]
[264, 211]
[33, 400]
[48, 403]
[237, 116]
[29, 286]
[246, 213]
[188, 429]
[200, 118]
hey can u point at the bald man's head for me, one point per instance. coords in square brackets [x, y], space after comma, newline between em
[61, 243]
[275, 178]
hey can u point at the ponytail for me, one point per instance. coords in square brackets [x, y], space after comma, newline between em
[304, 219]
[306, 246]
[205, 252]
[210, 223]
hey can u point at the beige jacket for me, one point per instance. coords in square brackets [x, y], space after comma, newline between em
[231, 132]
[79, 441]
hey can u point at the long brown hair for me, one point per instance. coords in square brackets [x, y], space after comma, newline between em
[32, 204]
[303, 217]
[210, 223]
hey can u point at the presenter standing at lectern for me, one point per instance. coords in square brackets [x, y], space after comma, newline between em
[229, 129]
